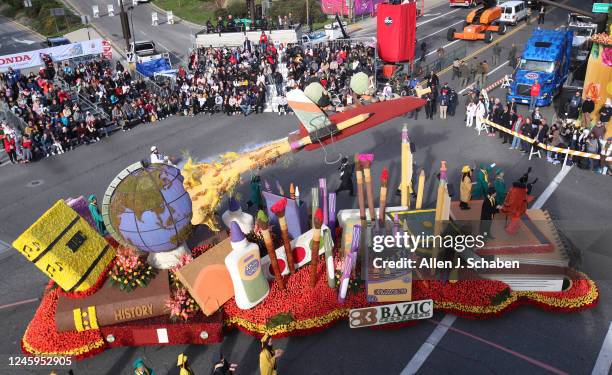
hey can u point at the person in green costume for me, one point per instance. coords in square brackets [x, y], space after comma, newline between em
[141, 369]
[482, 182]
[97, 216]
[255, 193]
[500, 187]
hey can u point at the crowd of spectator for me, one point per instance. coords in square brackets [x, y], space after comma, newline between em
[579, 129]
[232, 81]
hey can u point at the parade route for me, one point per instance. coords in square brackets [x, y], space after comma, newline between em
[526, 341]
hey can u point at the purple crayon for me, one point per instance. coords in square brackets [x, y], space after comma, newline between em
[350, 261]
[332, 212]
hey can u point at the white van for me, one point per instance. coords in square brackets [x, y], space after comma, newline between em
[513, 12]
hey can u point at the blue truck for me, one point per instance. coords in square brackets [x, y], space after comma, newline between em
[546, 58]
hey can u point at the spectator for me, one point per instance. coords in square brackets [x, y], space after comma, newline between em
[588, 106]
[541, 14]
[496, 53]
[574, 105]
[444, 102]
[464, 72]
[534, 94]
[605, 112]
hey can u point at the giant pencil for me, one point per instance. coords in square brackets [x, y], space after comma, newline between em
[420, 190]
[314, 195]
[314, 247]
[262, 222]
[406, 165]
[384, 178]
[360, 189]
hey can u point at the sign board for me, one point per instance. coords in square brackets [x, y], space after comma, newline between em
[393, 313]
[57, 11]
[27, 3]
[601, 7]
[85, 20]
[30, 59]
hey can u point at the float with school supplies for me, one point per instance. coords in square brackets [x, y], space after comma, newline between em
[290, 268]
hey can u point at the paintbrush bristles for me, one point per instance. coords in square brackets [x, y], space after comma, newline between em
[318, 218]
[262, 224]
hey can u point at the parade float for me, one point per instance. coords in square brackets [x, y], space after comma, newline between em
[287, 268]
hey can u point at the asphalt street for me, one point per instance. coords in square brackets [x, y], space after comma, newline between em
[569, 343]
[176, 39]
[15, 38]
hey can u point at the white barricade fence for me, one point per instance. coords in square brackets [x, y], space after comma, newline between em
[170, 16]
[111, 10]
[96, 11]
[154, 19]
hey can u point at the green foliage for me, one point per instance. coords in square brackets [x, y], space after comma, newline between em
[297, 8]
[500, 297]
[39, 16]
[281, 319]
[238, 9]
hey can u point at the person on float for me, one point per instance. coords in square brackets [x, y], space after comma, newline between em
[515, 204]
[159, 158]
[255, 193]
[500, 187]
[346, 177]
[183, 365]
[141, 369]
[223, 367]
[487, 213]
[268, 356]
[482, 181]
[97, 216]
[465, 187]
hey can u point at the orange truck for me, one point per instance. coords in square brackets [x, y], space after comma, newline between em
[480, 24]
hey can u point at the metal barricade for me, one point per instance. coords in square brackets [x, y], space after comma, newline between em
[439, 63]
[11, 118]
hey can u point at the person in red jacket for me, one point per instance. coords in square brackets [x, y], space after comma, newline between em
[9, 147]
[535, 93]
[27, 149]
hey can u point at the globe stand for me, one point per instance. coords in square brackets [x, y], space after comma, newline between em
[167, 259]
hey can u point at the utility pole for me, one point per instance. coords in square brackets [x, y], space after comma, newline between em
[125, 25]
[308, 15]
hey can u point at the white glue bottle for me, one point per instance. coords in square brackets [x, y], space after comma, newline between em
[244, 220]
[244, 266]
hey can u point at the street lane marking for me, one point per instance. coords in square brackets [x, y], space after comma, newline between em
[531, 360]
[488, 74]
[32, 300]
[429, 345]
[435, 18]
[550, 189]
[439, 31]
[604, 359]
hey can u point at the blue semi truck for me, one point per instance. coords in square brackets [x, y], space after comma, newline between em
[546, 58]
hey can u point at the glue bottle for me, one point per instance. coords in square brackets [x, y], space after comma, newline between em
[244, 266]
[244, 220]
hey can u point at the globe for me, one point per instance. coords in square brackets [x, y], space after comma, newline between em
[146, 207]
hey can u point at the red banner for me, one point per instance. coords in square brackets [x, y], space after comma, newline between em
[396, 32]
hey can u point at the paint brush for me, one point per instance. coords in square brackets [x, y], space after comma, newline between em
[278, 209]
[314, 197]
[366, 162]
[360, 191]
[314, 247]
[384, 179]
[262, 223]
[323, 192]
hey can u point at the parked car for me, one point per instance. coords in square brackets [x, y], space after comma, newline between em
[54, 41]
[513, 11]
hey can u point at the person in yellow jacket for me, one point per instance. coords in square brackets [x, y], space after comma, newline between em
[183, 365]
[465, 187]
[268, 356]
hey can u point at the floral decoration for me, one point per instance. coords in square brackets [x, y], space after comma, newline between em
[130, 270]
